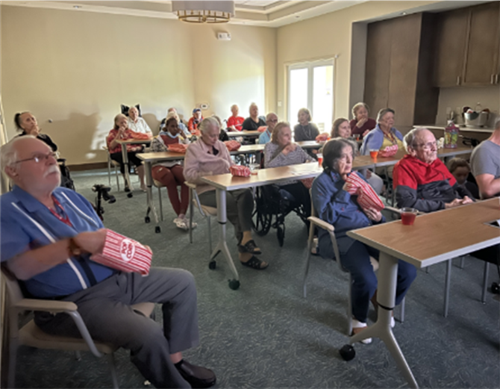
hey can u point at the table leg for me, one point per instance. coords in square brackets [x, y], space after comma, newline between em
[151, 205]
[221, 244]
[386, 296]
[125, 163]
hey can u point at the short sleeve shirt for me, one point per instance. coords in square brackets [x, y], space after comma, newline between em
[485, 159]
[27, 224]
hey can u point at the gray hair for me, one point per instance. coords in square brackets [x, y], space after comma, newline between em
[383, 112]
[272, 113]
[409, 139]
[9, 151]
[358, 106]
[207, 123]
[332, 152]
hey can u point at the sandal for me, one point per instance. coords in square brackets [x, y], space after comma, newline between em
[249, 247]
[255, 263]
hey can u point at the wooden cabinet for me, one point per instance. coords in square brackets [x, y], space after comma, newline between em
[398, 68]
[451, 35]
[482, 46]
[467, 46]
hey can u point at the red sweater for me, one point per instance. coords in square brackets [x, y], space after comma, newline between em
[370, 124]
[236, 122]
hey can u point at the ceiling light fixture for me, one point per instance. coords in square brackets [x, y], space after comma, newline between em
[203, 11]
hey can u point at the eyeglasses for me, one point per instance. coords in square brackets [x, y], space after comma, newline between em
[428, 146]
[273, 120]
[39, 157]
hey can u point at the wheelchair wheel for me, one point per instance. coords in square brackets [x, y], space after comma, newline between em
[261, 218]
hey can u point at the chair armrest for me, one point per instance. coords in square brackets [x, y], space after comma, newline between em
[320, 223]
[190, 185]
[393, 210]
[45, 305]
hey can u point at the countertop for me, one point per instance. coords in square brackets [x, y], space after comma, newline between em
[461, 127]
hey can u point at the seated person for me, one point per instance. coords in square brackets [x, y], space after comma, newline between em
[361, 124]
[122, 132]
[305, 130]
[336, 206]
[208, 156]
[138, 124]
[383, 135]
[281, 151]
[27, 124]
[182, 126]
[421, 180]
[195, 120]
[51, 257]
[170, 173]
[271, 120]
[341, 128]
[174, 110]
[460, 169]
[254, 121]
[234, 123]
[485, 162]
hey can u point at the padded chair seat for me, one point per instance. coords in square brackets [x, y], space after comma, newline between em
[32, 335]
[209, 210]
[158, 184]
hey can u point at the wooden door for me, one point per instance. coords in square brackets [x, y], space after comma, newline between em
[451, 37]
[378, 60]
[482, 45]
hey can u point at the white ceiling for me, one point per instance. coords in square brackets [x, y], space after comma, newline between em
[248, 12]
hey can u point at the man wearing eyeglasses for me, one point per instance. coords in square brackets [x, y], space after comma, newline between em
[43, 228]
[421, 179]
[271, 121]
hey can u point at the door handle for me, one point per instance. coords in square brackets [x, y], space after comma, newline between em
[458, 80]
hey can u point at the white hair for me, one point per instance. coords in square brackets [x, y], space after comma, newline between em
[409, 139]
[207, 123]
[9, 151]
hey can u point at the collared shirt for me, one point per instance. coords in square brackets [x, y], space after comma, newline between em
[27, 224]
[139, 126]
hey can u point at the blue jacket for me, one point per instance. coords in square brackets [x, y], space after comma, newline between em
[337, 207]
[375, 138]
[27, 224]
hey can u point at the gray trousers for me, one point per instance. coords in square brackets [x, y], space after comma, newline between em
[239, 208]
[105, 309]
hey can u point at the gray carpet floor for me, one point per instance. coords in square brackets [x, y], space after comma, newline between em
[267, 335]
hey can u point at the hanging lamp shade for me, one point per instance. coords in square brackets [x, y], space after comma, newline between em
[203, 11]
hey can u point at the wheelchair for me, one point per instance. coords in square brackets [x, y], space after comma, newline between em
[272, 205]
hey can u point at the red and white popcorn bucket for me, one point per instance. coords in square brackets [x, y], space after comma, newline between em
[124, 254]
[367, 198]
[240, 171]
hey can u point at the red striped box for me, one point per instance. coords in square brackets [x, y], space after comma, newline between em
[239, 171]
[367, 198]
[124, 254]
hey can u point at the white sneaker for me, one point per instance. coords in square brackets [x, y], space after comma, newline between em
[183, 224]
[359, 324]
[393, 322]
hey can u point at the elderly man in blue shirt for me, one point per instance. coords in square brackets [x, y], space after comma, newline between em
[43, 227]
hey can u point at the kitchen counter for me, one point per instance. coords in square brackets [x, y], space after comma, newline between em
[461, 127]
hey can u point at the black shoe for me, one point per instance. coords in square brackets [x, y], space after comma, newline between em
[249, 247]
[127, 189]
[196, 376]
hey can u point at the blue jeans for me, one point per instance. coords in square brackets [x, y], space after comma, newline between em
[364, 281]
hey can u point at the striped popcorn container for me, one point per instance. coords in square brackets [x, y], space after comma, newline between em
[124, 254]
[367, 198]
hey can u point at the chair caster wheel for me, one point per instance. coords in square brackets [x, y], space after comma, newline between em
[234, 284]
[347, 352]
[130, 195]
[147, 219]
[157, 229]
[212, 265]
[495, 288]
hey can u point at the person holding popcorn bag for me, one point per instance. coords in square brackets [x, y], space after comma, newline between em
[344, 199]
[55, 244]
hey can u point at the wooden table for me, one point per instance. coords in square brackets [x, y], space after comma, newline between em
[226, 182]
[442, 153]
[124, 144]
[434, 238]
[234, 134]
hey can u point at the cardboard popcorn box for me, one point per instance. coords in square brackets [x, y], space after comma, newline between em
[124, 254]
[240, 171]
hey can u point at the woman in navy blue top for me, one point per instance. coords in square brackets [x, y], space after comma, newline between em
[336, 206]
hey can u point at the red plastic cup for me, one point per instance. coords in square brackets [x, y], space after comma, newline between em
[320, 159]
[373, 154]
[357, 137]
[408, 216]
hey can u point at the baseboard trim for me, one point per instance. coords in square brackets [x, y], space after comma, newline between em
[88, 166]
